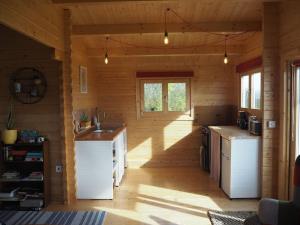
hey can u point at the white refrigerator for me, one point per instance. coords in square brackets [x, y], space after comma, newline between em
[240, 169]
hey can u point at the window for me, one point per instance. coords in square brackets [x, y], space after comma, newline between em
[153, 97]
[245, 91]
[255, 90]
[251, 91]
[165, 96]
[177, 97]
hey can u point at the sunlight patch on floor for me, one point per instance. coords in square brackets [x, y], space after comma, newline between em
[172, 205]
[195, 200]
[128, 214]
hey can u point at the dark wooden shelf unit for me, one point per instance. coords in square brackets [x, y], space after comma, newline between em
[29, 186]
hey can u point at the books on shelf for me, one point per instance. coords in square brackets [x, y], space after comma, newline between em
[11, 175]
[34, 156]
[16, 176]
[8, 193]
[22, 155]
[31, 202]
[35, 176]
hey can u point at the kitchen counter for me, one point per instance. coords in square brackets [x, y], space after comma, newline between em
[106, 136]
[233, 132]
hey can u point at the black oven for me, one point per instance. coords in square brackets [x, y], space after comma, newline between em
[205, 148]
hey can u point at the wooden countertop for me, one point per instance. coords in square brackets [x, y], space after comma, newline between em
[233, 132]
[93, 136]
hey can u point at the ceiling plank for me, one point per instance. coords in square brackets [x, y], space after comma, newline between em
[105, 29]
[136, 52]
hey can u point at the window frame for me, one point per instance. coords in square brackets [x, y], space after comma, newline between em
[250, 73]
[165, 112]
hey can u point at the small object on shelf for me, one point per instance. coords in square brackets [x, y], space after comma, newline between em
[28, 136]
[85, 123]
[40, 139]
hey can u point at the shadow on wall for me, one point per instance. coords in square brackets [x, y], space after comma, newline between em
[171, 141]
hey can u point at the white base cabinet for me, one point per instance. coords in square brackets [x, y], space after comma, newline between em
[99, 166]
[240, 161]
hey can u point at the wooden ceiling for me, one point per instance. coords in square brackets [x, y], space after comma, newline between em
[135, 23]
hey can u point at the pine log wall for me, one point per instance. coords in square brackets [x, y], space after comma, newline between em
[172, 142]
[45, 23]
[43, 116]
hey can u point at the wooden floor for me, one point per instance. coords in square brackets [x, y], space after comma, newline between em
[163, 196]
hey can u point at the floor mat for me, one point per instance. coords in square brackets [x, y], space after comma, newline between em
[52, 217]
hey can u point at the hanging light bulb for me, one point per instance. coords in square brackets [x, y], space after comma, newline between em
[106, 58]
[225, 58]
[166, 38]
[106, 54]
[225, 55]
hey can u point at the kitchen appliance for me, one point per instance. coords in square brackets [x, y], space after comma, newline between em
[242, 120]
[205, 148]
[254, 126]
[240, 171]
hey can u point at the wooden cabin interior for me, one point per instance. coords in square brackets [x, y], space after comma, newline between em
[129, 107]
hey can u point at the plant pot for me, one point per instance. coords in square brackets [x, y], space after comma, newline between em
[85, 124]
[9, 136]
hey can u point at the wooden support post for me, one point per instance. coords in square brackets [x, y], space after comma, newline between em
[270, 98]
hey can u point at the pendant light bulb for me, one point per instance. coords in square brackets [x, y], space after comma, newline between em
[225, 58]
[106, 58]
[225, 55]
[166, 38]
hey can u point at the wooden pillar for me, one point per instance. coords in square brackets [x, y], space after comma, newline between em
[270, 98]
[66, 112]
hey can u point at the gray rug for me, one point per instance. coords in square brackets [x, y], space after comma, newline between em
[52, 217]
[229, 217]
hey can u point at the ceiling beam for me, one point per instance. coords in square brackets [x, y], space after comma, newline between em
[109, 1]
[105, 29]
[135, 52]
[103, 1]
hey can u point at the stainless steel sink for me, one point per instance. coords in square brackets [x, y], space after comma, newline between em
[104, 131]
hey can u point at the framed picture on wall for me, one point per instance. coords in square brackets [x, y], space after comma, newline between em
[83, 79]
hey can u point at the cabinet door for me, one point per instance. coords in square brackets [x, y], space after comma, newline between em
[245, 168]
[119, 148]
[93, 166]
[226, 176]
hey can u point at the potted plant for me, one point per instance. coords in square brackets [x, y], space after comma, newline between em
[9, 135]
[84, 121]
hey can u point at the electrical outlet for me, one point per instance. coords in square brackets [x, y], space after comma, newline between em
[58, 168]
[271, 124]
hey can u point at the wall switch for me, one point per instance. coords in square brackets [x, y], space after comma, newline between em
[271, 124]
[58, 168]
